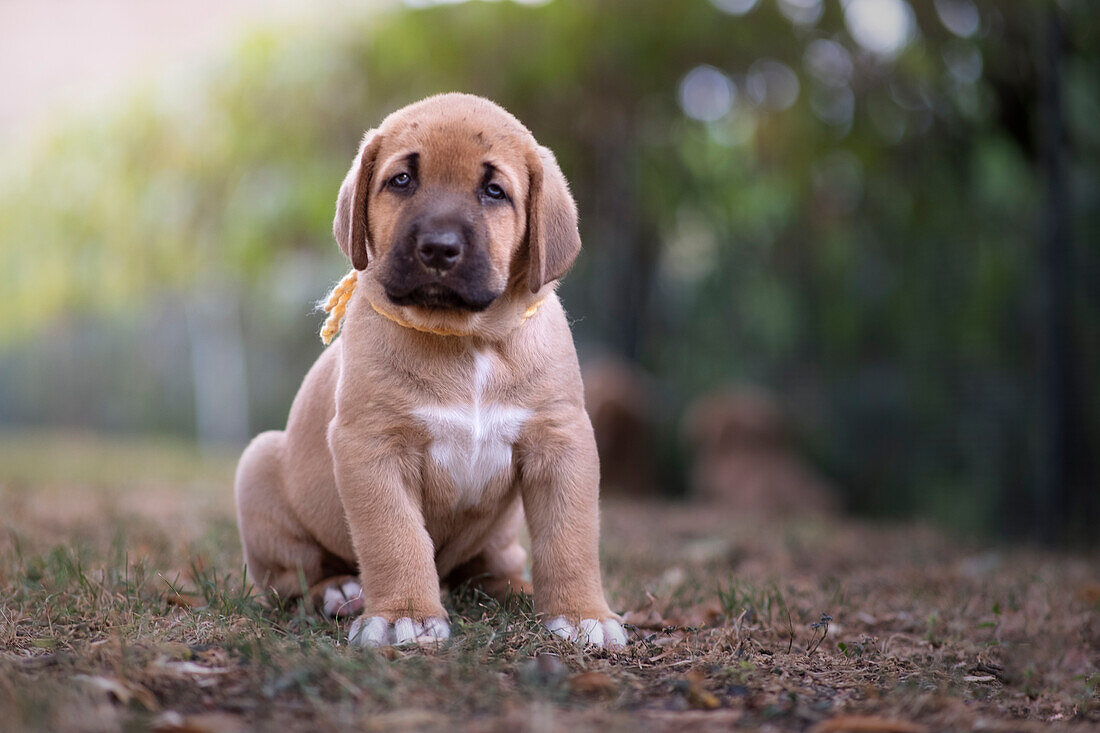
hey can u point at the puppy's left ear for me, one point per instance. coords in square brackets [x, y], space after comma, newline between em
[553, 240]
[350, 224]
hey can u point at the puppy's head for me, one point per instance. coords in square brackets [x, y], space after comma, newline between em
[450, 203]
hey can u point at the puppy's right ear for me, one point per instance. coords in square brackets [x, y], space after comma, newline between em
[350, 224]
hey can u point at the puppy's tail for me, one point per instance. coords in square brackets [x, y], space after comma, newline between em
[336, 305]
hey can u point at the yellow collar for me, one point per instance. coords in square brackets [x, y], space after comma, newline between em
[413, 326]
[531, 310]
[337, 302]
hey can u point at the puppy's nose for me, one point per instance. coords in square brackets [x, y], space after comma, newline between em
[440, 249]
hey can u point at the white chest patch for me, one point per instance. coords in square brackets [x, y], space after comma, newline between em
[473, 440]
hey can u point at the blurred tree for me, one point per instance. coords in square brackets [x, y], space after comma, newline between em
[839, 201]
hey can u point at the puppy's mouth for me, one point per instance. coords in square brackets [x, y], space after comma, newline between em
[442, 297]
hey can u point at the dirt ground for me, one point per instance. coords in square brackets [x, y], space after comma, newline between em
[122, 606]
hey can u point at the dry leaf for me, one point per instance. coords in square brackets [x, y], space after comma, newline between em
[692, 719]
[647, 619]
[592, 684]
[185, 669]
[173, 722]
[413, 720]
[698, 696]
[185, 600]
[867, 724]
[121, 690]
[706, 614]
[661, 656]
[1089, 593]
[175, 650]
[669, 640]
[703, 699]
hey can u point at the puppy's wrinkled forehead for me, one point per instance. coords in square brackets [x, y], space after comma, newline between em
[452, 136]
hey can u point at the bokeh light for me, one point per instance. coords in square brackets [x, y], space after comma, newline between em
[802, 12]
[959, 16]
[772, 85]
[828, 62]
[883, 27]
[834, 105]
[706, 94]
[735, 7]
[963, 61]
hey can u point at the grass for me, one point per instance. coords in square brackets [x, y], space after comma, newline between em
[123, 606]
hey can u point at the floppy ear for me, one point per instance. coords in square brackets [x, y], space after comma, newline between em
[552, 237]
[350, 224]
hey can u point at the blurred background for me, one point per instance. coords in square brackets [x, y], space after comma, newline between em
[839, 255]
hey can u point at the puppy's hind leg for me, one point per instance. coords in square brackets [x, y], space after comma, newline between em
[280, 553]
[338, 596]
[484, 572]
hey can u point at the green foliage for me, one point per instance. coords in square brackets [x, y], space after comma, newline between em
[877, 268]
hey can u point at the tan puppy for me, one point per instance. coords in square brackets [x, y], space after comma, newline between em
[452, 403]
[746, 459]
[620, 400]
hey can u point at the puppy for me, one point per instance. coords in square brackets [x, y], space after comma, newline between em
[451, 407]
[619, 397]
[746, 458]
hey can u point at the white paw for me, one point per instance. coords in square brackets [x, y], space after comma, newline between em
[607, 634]
[376, 631]
[343, 600]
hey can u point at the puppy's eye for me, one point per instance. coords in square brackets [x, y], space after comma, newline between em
[494, 191]
[401, 180]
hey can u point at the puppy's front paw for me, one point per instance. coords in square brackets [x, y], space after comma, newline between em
[606, 634]
[377, 631]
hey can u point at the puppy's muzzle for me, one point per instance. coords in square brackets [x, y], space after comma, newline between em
[440, 260]
[439, 248]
